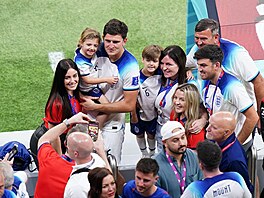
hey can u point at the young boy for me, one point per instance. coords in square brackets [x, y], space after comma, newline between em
[143, 118]
[86, 60]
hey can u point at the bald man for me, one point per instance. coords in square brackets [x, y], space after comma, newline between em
[221, 129]
[80, 148]
[55, 169]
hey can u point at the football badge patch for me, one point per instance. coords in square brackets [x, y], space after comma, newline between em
[135, 81]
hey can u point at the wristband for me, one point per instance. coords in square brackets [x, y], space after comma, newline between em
[66, 122]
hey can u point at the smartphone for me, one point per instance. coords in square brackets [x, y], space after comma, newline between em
[13, 152]
[93, 129]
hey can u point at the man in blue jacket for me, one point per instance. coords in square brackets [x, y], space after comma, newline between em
[221, 129]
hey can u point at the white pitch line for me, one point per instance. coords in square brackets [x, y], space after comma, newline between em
[54, 58]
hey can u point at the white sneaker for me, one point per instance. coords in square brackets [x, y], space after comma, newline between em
[151, 153]
[145, 153]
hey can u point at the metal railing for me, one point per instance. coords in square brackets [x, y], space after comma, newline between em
[113, 164]
[252, 167]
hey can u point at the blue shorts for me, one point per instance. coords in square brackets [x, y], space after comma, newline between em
[94, 92]
[144, 126]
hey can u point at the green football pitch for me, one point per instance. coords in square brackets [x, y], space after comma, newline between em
[30, 29]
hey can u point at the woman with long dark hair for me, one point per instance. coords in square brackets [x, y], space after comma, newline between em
[63, 101]
[102, 184]
[172, 64]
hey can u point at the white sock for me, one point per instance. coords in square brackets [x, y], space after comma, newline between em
[142, 144]
[152, 144]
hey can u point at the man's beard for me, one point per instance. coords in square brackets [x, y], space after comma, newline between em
[177, 152]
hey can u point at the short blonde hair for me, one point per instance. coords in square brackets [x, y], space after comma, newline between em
[89, 33]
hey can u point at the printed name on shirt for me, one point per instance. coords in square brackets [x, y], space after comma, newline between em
[222, 191]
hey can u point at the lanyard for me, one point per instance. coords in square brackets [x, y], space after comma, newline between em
[73, 107]
[207, 106]
[83, 169]
[167, 88]
[229, 145]
[181, 180]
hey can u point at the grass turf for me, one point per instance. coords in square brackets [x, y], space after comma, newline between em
[30, 29]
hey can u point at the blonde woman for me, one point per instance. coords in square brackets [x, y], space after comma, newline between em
[186, 110]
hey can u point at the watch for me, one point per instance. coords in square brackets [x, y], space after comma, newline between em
[66, 122]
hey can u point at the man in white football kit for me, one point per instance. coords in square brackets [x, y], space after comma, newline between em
[123, 95]
[223, 92]
[236, 61]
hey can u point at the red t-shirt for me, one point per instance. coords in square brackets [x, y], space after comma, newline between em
[57, 112]
[192, 138]
[54, 172]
